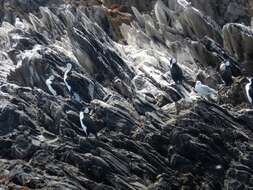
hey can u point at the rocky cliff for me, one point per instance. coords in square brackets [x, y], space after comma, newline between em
[88, 100]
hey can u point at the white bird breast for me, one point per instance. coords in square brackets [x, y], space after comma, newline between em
[81, 115]
[19, 24]
[49, 83]
[69, 67]
[247, 92]
[86, 110]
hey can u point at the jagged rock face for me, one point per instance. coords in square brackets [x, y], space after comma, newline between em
[141, 5]
[238, 40]
[222, 11]
[65, 71]
[225, 11]
[196, 25]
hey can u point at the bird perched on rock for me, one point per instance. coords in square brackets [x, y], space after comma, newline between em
[82, 87]
[19, 24]
[49, 82]
[249, 91]
[87, 123]
[205, 91]
[226, 73]
[70, 87]
[176, 71]
[68, 69]
[122, 88]
[55, 86]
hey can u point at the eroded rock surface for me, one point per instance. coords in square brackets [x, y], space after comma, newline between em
[69, 67]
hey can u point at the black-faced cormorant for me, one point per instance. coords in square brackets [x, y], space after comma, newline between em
[87, 124]
[226, 73]
[49, 82]
[176, 71]
[69, 87]
[249, 90]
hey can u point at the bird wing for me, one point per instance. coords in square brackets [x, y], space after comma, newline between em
[209, 90]
[179, 70]
[81, 115]
[204, 90]
[49, 86]
[250, 92]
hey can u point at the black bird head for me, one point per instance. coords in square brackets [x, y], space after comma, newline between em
[173, 61]
[85, 110]
[227, 64]
[250, 79]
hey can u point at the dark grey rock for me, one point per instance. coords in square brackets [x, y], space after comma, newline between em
[148, 132]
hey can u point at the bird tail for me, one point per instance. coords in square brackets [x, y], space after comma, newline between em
[214, 95]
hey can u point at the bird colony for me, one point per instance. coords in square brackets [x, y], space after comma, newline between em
[114, 96]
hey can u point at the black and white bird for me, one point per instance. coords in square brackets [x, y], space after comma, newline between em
[49, 82]
[176, 71]
[55, 86]
[87, 124]
[82, 87]
[249, 91]
[68, 69]
[226, 73]
[70, 87]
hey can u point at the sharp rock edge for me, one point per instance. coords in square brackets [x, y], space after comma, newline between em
[104, 94]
